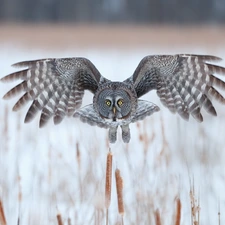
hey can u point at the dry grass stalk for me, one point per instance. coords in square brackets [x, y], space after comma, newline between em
[2, 214]
[59, 219]
[219, 215]
[157, 217]
[78, 154]
[119, 189]
[108, 184]
[108, 180]
[6, 113]
[20, 189]
[195, 207]
[6, 128]
[69, 221]
[165, 142]
[178, 212]
[98, 216]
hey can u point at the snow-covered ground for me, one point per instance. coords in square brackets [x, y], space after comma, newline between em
[61, 169]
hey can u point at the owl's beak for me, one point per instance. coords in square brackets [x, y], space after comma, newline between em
[114, 110]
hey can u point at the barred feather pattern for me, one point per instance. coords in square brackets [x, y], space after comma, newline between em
[56, 86]
[185, 83]
[144, 109]
[88, 115]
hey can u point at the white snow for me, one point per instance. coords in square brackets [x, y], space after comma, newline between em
[41, 164]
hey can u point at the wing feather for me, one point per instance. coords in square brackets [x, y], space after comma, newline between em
[185, 83]
[56, 86]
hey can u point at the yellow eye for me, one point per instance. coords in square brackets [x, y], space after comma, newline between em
[120, 102]
[108, 102]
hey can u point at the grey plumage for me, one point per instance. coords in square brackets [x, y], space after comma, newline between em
[184, 83]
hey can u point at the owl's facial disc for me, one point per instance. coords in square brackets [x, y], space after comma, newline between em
[115, 104]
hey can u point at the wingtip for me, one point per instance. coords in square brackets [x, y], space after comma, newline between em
[26, 121]
[16, 65]
[20, 64]
[27, 118]
[212, 111]
[5, 97]
[208, 58]
[57, 119]
[198, 117]
[4, 79]
[41, 124]
[213, 58]
[184, 115]
[157, 109]
[15, 108]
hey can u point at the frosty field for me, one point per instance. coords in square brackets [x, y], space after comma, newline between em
[60, 170]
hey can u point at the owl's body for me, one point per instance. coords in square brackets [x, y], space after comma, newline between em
[112, 108]
[184, 83]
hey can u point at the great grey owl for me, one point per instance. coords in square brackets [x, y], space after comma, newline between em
[185, 83]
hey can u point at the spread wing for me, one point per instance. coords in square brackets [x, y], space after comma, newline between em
[184, 83]
[56, 86]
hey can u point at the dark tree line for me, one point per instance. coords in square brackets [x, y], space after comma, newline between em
[113, 11]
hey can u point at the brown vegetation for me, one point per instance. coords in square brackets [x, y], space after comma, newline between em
[2, 214]
[64, 36]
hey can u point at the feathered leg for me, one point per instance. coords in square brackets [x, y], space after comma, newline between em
[113, 134]
[125, 133]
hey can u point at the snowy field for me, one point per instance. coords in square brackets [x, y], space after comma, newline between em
[60, 170]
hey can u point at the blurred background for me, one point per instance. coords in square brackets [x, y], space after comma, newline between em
[112, 23]
[114, 11]
[61, 169]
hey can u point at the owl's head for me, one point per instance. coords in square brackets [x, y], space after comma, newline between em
[115, 100]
